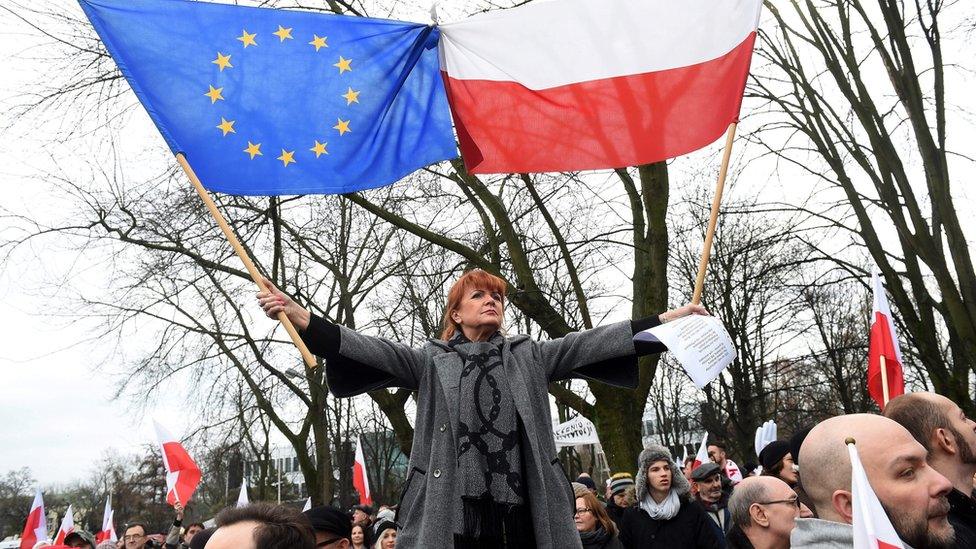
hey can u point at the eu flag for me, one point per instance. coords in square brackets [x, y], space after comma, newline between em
[271, 102]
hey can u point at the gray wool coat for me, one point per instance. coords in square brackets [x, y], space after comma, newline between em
[430, 506]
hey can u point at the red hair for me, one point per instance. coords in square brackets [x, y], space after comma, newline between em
[475, 279]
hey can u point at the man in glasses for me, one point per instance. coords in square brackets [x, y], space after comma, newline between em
[136, 535]
[333, 528]
[764, 512]
[912, 493]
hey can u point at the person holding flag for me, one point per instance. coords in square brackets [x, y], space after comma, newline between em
[483, 468]
[912, 494]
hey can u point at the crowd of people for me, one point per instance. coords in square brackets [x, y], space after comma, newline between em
[919, 458]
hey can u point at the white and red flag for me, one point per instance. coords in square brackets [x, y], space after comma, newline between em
[702, 455]
[359, 479]
[35, 529]
[182, 473]
[872, 528]
[572, 85]
[107, 533]
[67, 526]
[884, 343]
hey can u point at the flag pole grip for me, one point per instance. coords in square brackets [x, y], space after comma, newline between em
[884, 382]
[241, 253]
[713, 219]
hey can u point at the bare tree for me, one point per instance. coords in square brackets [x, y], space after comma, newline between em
[858, 98]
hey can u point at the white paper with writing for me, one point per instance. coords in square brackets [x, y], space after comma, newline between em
[700, 343]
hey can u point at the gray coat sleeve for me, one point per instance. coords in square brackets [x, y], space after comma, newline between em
[365, 363]
[605, 353]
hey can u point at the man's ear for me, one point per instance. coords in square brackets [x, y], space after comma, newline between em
[842, 501]
[943, 439]
[758, 514]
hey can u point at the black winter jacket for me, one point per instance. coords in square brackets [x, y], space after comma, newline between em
[689, 529]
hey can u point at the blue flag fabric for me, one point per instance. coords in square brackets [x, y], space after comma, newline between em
[272, 102]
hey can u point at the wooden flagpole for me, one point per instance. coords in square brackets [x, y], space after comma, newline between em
[713, 220]
[884, 381]
[248, 264]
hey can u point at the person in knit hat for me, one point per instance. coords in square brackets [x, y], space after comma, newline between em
[617, 495]
[664, 516]
[777, 461]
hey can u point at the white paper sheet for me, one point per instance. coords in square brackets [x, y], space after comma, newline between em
[700, 343]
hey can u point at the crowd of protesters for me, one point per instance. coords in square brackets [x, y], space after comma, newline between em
[919, 457]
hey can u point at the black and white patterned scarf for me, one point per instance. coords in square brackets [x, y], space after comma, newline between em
[489, 458]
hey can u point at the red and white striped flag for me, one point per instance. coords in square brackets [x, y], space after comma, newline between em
[702, 455]
[575, 84]
[67, 526]
[107, 533]
[35, 529]
[872, 528]
[884, 343]
[182, 473]
[359, 479]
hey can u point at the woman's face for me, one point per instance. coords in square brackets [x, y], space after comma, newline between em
[357, 535]
[388, 539]
[787, 474]
[659, 477]
[585, 517]
[479, 309]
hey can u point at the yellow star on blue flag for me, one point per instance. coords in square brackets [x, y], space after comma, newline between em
[380, 80]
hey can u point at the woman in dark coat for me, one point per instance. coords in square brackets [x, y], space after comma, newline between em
[483, 467]
[595, 528]
[665, 517]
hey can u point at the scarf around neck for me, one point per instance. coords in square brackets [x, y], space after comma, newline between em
[489, 455]
[665, 510]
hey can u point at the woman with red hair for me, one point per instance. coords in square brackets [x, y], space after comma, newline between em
[483, 466]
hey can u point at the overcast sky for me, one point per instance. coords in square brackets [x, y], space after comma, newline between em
[57, 415]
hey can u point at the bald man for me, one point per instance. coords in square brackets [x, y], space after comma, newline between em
[912, 493]
[949, 437]
[764, 512]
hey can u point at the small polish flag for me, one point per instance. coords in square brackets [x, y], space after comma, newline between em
[67, 526]
[107, 533]
[182, 473]
[872, 528]
[35, 529]
[242, 500]
[308, 504]
[732, 471]
[359, 479]
[884, 343]
[702, 456]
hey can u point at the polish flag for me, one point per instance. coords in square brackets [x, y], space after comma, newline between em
[67, 526]
[884, 343]
[182, 473]
[36, 528]
[242, 500]
[573, 85]
[308, 504]
[872, 529]
[702, 456]
[359, 479]
[107, 533]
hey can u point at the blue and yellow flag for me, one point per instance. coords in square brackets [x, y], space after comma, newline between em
[271, 102]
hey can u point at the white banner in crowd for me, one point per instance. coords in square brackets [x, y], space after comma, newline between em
[578, 430]
[700, 343]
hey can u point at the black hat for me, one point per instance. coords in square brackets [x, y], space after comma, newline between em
[364, 508]
[380, 527]
[704, 471]
[773, 453]
[329, 519]
[587, 481]
[796, 441]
